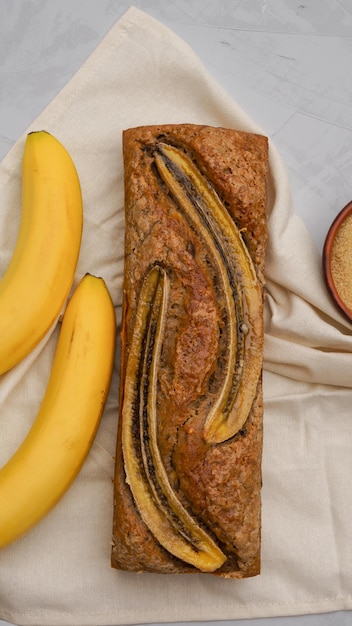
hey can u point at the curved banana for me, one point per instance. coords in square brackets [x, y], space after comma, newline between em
[40, 274]
[239, 284]
[161, 510]
[51, 455]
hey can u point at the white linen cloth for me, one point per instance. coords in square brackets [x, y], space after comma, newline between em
[59, 574]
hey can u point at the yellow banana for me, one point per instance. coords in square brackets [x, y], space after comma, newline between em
[51, 455]
[40, 274]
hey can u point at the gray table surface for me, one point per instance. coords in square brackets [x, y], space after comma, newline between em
[286, 62]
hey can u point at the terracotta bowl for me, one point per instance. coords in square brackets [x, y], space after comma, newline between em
[327, 255]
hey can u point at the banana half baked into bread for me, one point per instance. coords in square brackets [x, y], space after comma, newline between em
[189, 450]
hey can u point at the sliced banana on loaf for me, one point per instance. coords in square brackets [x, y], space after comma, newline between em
[188, 464]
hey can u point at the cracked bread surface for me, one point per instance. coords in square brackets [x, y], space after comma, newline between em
[218, 484]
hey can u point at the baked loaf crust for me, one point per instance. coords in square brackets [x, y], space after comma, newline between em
[187, 490]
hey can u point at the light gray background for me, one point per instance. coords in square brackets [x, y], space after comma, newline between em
[286, 62]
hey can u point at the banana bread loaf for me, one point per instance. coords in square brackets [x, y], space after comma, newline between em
[187, 491]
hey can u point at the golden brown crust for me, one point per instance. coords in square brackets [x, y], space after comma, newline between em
[219, 483]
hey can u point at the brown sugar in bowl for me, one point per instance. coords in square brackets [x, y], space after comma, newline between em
[337, 260]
